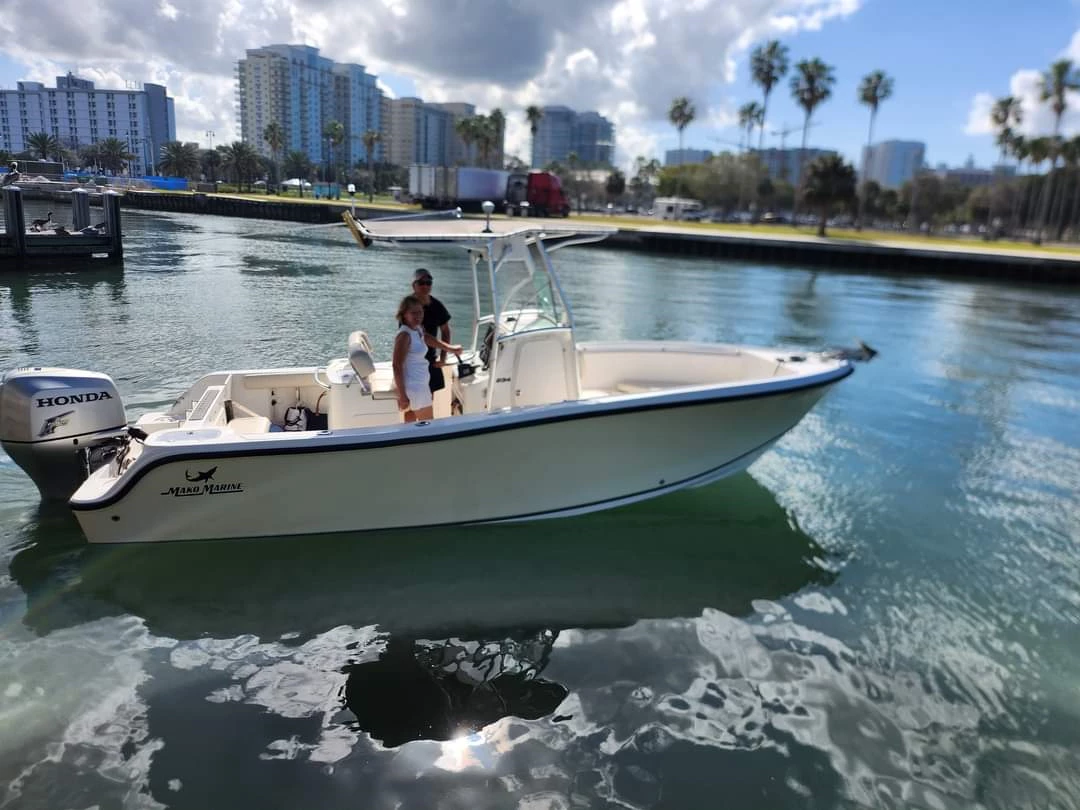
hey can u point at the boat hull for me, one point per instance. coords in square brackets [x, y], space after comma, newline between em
[522, 464]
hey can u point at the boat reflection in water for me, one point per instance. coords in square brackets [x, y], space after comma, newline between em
[460, 623]
[720, 546]
[440, 690]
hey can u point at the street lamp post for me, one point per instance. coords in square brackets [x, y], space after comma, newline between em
[210, 136]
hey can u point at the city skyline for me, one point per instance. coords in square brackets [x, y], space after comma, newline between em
[623, 58]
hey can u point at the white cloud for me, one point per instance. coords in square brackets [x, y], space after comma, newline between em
[979, 122]
[625, 58]
[1038, 118]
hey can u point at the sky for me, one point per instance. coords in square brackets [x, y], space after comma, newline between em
[627, 59]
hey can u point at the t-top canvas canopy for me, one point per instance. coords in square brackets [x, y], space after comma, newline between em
[470, 231]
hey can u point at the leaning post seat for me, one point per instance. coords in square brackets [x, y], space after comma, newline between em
[360, 356]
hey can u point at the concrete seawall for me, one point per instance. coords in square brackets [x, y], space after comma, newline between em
[770, 243]
[862, 254]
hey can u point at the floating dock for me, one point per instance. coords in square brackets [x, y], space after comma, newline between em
[22, 247]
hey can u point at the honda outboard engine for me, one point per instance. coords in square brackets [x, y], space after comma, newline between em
[59, 425]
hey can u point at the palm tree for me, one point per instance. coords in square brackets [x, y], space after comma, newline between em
[1038, 151]
[179, 159]
[297, 164]
[113, 153]
[1053, 87]
[533, 114]
[615, 185]
[371, 137]
[768, 65]
[43, 144]
[810, 86]
[210, 159]
[1006, 114]
[274, 136]
[751, 115]
[498, 127]
[1020, 149]
[334, 132]
[681, 114]
[875, 88]
[245, 162]
[468, 132]
[829, 181]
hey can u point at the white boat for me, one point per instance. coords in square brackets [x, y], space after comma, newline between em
[533, 423]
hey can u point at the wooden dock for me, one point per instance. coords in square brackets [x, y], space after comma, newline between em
[22, 247]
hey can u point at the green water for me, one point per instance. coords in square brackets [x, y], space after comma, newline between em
[885, 612]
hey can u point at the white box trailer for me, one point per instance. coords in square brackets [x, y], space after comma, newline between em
[467, 187]
[421, 181]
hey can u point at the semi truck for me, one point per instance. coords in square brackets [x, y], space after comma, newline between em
[468, 188]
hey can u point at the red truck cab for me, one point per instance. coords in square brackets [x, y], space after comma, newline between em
[542, 190]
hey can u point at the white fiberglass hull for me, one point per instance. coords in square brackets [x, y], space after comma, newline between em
[522, 464]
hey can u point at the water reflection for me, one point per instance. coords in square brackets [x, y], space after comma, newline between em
[443, 690]
[606, 569]
[85, 277]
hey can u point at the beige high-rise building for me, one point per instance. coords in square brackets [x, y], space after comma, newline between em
[418, 132]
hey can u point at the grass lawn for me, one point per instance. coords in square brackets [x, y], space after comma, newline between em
[974, 244]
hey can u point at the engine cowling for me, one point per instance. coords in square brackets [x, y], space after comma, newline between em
[55, 424]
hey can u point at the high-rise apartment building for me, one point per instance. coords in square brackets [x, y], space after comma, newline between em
[78, 114]
[302, 92]
[422, 132]
[890, 164]
[561, 131]
[677, 157]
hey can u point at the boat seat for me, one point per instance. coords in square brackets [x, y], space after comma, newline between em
[382, 384]
[360, 355]
[250, 424]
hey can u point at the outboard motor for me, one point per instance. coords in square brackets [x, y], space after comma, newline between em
[59, 425]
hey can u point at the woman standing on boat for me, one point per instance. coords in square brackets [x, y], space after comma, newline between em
[436, 320]
[411, 369]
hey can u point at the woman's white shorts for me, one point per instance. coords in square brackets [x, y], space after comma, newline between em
[419, 396]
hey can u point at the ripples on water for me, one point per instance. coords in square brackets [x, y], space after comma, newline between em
[883, 614]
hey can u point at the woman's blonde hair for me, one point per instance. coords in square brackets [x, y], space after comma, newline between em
[407, 303]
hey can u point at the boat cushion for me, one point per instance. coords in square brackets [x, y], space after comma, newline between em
[250, 424]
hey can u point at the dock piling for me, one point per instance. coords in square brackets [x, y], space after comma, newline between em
[111, 202]
[15, 219]
[80, 208]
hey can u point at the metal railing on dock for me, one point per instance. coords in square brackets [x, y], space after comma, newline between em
[47, 242]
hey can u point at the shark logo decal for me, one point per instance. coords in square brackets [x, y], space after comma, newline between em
[201, 482]
[50, 425]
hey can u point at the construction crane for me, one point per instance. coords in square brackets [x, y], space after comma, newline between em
[783, 132]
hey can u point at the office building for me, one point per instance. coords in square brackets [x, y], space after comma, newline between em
[890, 164]
[563, 131]
[678, 157]
[970, 176]
[78, 114]
[593, 139]
[302, 92]
[783, 164]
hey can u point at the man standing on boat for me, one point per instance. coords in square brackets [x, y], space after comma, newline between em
[436, 319]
